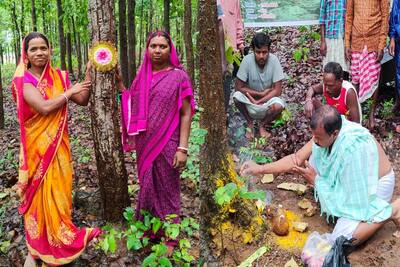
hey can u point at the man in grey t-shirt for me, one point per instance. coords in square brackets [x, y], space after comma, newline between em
[259, 85]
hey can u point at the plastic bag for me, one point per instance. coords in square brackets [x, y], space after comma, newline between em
[337, 256]
[315, 249]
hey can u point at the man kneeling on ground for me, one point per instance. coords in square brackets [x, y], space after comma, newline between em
[259, 85]
[337, 92]
[351, 174]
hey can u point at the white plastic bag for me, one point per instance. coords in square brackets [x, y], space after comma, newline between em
[315, 249]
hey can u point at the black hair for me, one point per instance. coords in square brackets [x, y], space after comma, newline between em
[160, 33]
[260, 39]
[328, 117]
[335, 69]
[34, 35]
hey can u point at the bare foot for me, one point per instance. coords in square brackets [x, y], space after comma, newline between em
[30, 261]
[396, 216]
[370, 123]
[264, 133]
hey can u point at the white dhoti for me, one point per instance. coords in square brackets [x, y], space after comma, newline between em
[346, 227]
[335, 52]
[257, 112]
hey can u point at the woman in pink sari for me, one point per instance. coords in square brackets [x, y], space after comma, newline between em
[45, 164]
[156, 117]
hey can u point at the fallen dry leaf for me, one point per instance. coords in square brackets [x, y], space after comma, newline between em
[298, 188]
[291, 263]
[304, 204]
[267, 178]
[310, 212]
[300, 226]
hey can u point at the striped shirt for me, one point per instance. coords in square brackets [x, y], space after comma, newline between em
[332, 15]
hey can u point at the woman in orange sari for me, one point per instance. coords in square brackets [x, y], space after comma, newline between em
[45, 168]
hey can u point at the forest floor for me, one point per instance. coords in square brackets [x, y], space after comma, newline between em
[382, 250]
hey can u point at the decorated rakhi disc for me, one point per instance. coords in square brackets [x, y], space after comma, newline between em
[104, 56]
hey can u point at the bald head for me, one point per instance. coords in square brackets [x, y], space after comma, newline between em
[326, 117]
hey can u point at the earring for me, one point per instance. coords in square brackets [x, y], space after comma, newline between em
[26, 63]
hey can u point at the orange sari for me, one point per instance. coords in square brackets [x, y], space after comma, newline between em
[45, 174]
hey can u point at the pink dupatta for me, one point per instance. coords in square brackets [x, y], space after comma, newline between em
[134, 117]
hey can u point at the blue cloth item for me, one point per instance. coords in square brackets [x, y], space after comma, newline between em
[347, 180]
[394, 32]
[394, 21]
[332, 15]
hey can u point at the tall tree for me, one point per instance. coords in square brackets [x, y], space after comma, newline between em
[123, 48]
[131, 41]
[69, 55]
[61, 36]
[187, 30]
[22, 21]
[1, 103]
[43, 8]
[166, 15]
[77, 47]
[141, 32]
[33, 14]
[105, 119]
[16, 33]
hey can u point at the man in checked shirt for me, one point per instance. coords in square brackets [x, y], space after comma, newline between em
[331, 20]
[366, 29]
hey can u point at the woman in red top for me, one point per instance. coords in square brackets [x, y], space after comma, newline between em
[338, 93]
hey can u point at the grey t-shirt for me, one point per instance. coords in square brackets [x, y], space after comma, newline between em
[260, 79]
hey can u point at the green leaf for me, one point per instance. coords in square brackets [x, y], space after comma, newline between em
[111, 243]
[225, 194]
[156, 224]
[133, 243]
[253, 195]
[165, 262]
[297, 55]
[149, 260]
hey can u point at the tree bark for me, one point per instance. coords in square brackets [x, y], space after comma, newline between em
[69, 56]
[44, 28]
[61, 36]
[141, 33]
[166, 15]
[214, 155]
[33, 12]
[17, 34]
[131, 41]
[22, 21]
[151, 15]
[1, 102]
[123, 48]
[187, 35]
[105, 119]
[77, 47]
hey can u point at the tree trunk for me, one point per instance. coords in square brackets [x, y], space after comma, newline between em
[166, 15]
[131, 41]
[44, 28]
[105, 119]
[151, 15]
[77, 47]
[214, 155]
[61, 36]
[187, 35]
[123, 48]
[1, 102]
[69, 56]
[17, 34]
[33, 12]
[22, 21]
[141, 33]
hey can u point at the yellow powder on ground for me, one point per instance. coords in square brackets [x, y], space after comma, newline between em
[294, 239]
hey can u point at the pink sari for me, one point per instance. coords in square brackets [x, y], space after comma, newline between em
[150, 125]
